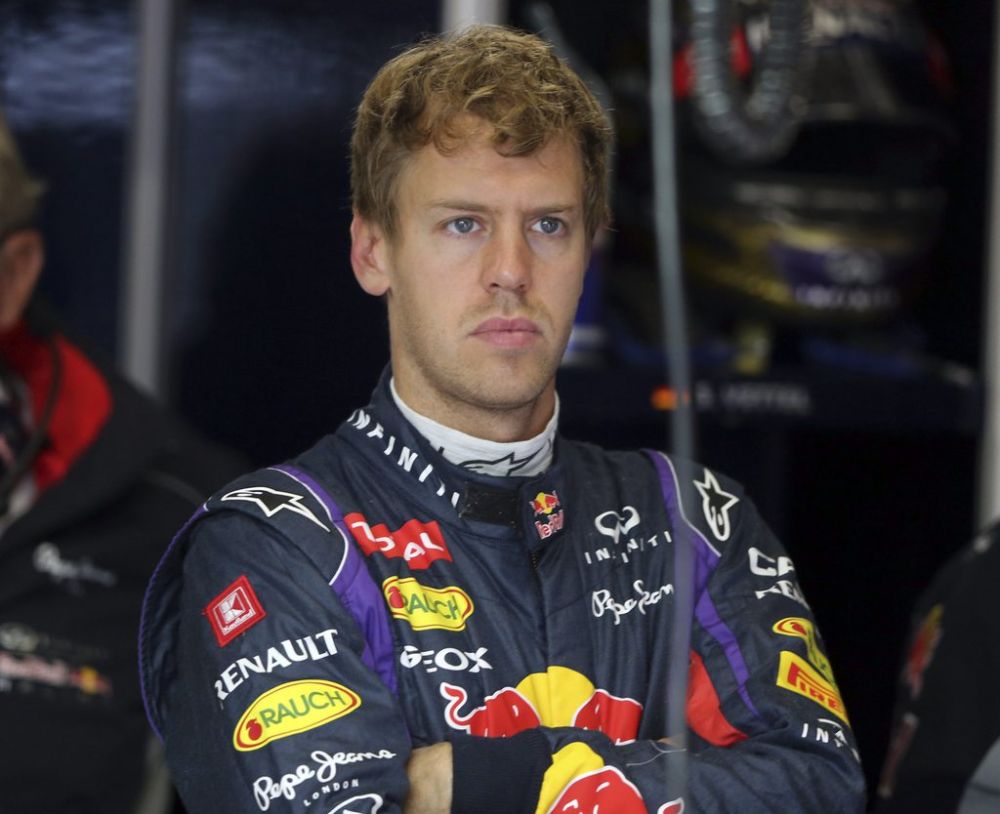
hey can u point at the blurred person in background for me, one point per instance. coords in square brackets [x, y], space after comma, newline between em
[94, 480]
[945, 749]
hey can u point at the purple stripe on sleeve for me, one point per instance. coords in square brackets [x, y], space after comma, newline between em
[706, 560]
[357, 591]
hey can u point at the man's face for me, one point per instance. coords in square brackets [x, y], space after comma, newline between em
[482, 280]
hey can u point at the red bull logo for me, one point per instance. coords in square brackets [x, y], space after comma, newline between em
[549, 516]
[544, 503]
[558, 697]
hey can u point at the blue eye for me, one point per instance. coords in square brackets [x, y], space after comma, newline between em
[462, 225]
[549, 226]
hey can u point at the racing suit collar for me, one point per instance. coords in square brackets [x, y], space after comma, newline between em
[496, 507]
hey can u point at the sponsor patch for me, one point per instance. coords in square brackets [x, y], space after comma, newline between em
[716, 503]
[418, 544]
[291, 708]
[549, 517]
[271, 501]
[322, 770]
[427, 608]
[279, 657]
[618, 526]
[602, 602]
[449, 658]
[805, 630]
[234, 611]
[922, 650]
[797, 675]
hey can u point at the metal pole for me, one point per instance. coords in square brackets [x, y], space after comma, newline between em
[456, 14]
[141, 320]
[989, 460]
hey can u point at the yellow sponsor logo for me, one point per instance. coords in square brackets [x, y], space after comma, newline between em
[797, 675]
[291, 708]
[804, 629]
[426, 608]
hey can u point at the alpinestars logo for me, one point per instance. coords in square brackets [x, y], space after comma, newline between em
[716, 503]
[271, 501]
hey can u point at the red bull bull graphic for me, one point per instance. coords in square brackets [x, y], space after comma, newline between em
[604, 791]
[427, 608]
[549, 516]
[579, 782]
[418, 544]
[558, 697]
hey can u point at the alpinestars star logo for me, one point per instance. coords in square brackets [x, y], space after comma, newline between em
[271, 501]
[716, 503]
[509, 464]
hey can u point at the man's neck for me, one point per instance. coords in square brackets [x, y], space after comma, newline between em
[526, 457]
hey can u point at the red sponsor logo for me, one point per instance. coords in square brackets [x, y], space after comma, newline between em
[544, 503]
[419, 544]
[234, 611]
[604, 791]
[549, 516]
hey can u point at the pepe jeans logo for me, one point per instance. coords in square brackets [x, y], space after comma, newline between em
[291, 708]
[427, 608]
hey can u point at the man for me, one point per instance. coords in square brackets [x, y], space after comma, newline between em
[93, 481]
[445, 606]
[945, 750]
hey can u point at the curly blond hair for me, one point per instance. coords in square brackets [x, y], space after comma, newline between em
[511, 80]
[20, 193]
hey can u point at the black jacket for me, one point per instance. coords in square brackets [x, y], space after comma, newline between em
[72, 573]
[947, 715]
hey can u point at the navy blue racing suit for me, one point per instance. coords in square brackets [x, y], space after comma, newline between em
[317, 620]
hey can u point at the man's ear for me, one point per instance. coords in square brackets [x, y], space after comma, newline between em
[22, 256]
[369, 255]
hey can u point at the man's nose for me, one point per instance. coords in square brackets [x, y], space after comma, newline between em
[508, 262]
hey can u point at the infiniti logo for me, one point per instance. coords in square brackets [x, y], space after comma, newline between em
[615, 525]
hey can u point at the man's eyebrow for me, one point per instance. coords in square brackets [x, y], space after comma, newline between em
[471, 206]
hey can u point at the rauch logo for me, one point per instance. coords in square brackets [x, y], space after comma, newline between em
[290, 708]
[427, 608]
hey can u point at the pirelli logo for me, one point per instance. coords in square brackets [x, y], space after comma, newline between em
[798, 675]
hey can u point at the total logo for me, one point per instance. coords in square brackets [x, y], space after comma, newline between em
[549, 516]
[558, 697]
[448, 658]
[617, 525]
[418, 544]
[291, 708]
[427, 608]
